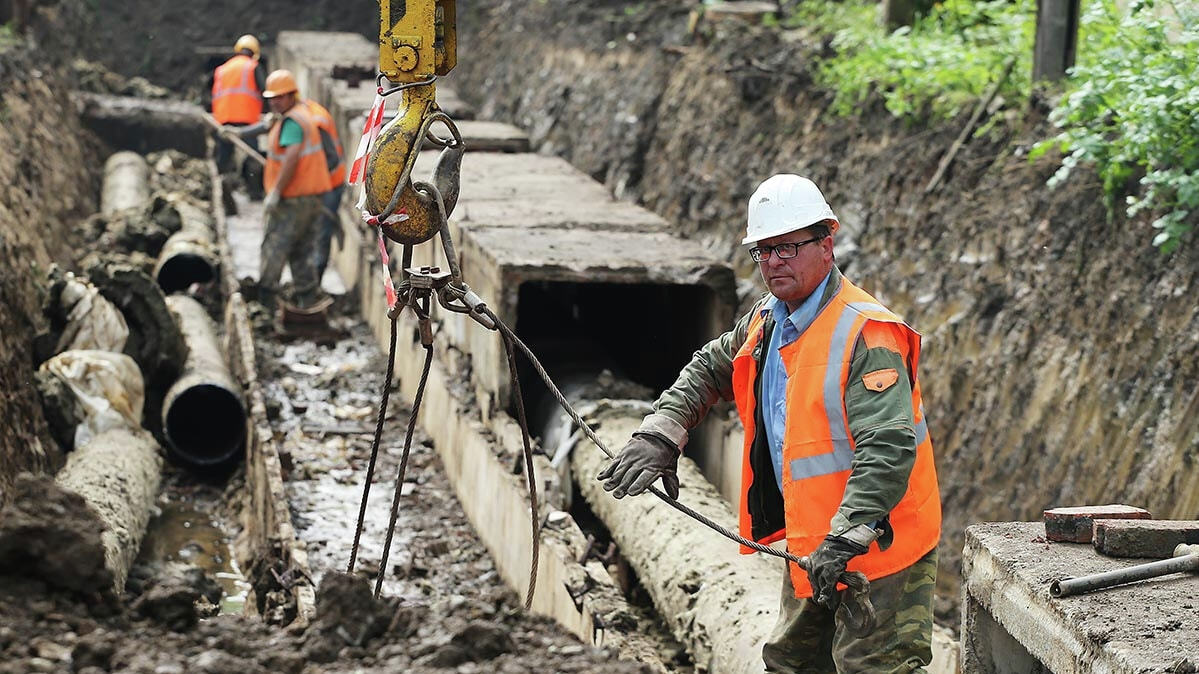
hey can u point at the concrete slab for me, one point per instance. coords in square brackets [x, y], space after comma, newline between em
[532, 190]
[1150, 626]
[311, 55]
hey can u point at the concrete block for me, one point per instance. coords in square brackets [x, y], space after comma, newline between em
[1075, 524]
[1143, 538]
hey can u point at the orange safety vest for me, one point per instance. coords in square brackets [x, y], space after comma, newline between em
[324, 122]
[235, 95]
[312, 174]
[817, 446]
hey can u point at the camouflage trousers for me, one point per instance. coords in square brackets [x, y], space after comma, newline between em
[809, 638]
[290, 238]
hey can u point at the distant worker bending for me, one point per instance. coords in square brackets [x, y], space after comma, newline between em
[837, 460]
[295, 178]
[237, 86]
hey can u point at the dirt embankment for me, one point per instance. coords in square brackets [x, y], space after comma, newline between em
[1059, 356]
[159, 40]
[48, 185]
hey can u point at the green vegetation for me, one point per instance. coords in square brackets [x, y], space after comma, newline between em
[1129, 107]
[933, 69]
[1132, 112]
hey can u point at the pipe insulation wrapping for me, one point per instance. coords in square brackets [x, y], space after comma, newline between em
[720, 604]
[126, 182]
[204, 415]
[117, 473]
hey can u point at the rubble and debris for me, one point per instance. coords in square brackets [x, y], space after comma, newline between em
[107, 386]
[49, 533]
[154, 342]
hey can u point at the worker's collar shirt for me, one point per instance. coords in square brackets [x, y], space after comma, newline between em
[787, 328]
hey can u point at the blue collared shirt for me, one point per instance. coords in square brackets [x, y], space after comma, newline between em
[787, 329]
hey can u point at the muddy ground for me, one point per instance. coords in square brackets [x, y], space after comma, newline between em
[322, 399]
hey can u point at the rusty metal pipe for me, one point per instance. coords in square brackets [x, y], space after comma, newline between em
[204, 414]
[1186, 559]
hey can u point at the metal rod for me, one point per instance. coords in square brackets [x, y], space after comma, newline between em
[1071, 586]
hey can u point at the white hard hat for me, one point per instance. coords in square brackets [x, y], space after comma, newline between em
[786, 203]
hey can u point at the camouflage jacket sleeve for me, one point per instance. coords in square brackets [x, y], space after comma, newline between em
[882, 424]
[703, 382]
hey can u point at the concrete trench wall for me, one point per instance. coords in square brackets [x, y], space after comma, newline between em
[266, 517]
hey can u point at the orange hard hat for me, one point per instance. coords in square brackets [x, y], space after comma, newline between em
[280, 82]
[248, 42]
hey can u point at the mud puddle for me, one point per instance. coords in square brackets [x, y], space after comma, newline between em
[191, 529]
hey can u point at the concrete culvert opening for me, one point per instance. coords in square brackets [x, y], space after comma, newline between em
[206, 425]
[644, 332]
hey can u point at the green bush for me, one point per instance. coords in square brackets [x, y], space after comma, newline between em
[1132, 112]
[932, 69]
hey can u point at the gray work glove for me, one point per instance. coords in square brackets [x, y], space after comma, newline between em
[825, 566]
[644, 459]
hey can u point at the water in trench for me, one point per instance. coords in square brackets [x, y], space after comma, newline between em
[190, 533]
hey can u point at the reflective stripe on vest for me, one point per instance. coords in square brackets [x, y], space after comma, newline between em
[235, 95]
[818, 449]
[312, 174]
[842, 455]
[323, 120]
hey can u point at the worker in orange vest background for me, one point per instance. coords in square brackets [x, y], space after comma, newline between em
[329, 223]
[335, 161]
[837, 463]
[236, 90]
[296, 177]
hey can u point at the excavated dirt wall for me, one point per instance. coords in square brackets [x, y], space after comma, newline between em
[48, 185]
[160, 40]
[1060, 349]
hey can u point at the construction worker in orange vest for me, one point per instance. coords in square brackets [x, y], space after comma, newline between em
[295, 178]
[237, 86]
[334, 159]
[837, 463]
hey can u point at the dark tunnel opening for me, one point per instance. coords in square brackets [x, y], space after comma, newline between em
[206, 425]
[643, 333]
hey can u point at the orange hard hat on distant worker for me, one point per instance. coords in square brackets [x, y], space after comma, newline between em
[248, 42]
[280, 82]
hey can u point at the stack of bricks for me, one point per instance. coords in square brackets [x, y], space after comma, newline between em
[1119, 530]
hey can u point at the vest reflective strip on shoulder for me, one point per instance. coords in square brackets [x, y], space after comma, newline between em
[841, 458]
[921, 428]
[242, 87]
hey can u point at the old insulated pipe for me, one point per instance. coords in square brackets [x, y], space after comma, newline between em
[203, 415]
[189, 256]
[126, 182]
